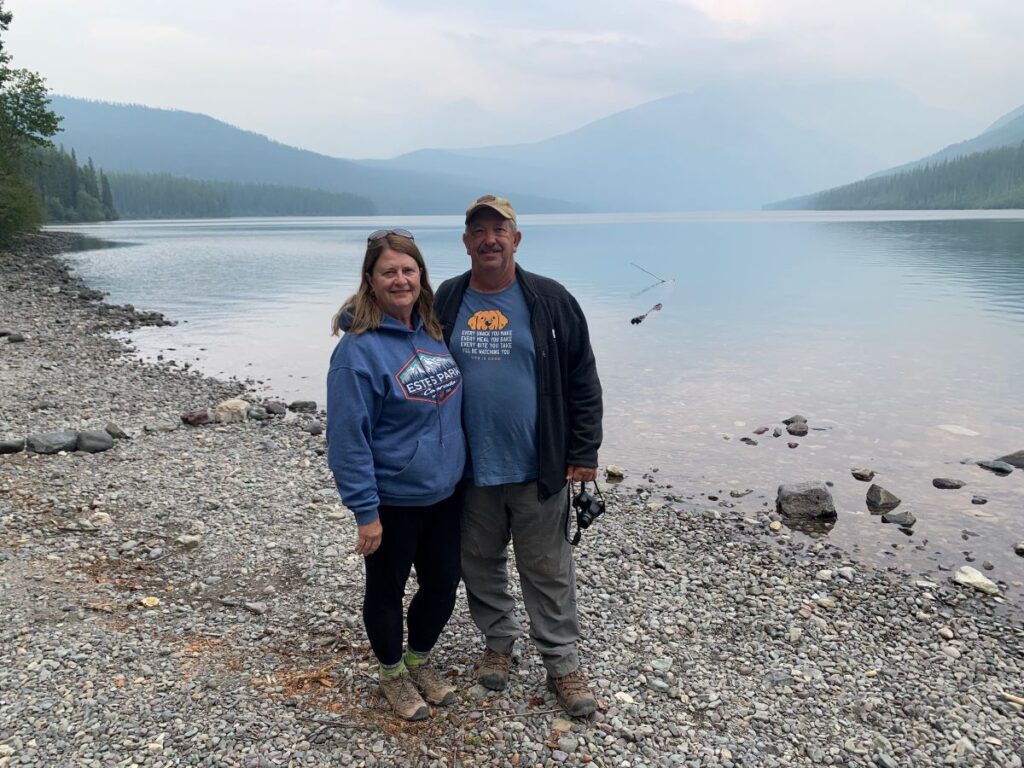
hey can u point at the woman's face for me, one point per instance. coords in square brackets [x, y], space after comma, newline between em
[395, 281]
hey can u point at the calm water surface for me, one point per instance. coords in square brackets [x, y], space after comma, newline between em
[884, 330]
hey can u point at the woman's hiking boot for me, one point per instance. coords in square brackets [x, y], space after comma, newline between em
[403, 697]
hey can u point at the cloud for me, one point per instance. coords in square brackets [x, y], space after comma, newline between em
[356, 78]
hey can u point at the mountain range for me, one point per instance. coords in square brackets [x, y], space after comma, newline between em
[723, 148]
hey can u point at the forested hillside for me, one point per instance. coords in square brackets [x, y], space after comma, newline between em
[993, 179]
[70, 192]
[162, 196]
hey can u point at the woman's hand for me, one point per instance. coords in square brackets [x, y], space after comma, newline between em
[369, 538]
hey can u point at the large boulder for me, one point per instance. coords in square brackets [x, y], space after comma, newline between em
[94, 441]
[808, 501]
[231, 411]
[53, 442]
[880, 500]
[12, 445]
[1015, 459]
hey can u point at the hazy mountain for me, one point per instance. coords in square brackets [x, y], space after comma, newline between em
[138, 139]
[717, 148]
[1007, 131]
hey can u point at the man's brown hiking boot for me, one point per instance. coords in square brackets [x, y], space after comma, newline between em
[573, 692]
[492, 669]
[403, 697]
[432, 684]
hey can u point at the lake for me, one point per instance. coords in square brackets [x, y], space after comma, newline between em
[899, 335]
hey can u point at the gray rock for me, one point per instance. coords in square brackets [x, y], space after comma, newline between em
[865, 475]
[313, 427]
[1018, 548]
[116, 432]
[303, 406]
[999, 467]
[777, 432]
[189, 541]
[797, 428]
[276, 409]
[94, 441]
[258, 608]
[947, 484]
[794, 420]
[1016, 459]
[979, 500]
[13, 445]
[14, 338]
[5, 332]
[904, 519]
[880, 500]
[52, 442]
[258, 413]
[810, 500]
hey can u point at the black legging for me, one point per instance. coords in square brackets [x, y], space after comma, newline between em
[427, 537]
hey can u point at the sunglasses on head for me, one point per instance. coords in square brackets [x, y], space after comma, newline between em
[385, 232]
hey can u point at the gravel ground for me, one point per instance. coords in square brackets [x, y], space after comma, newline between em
[189, 597]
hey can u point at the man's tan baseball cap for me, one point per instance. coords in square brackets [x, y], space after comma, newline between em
[498, 204]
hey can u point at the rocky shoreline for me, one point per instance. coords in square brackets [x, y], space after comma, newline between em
[189, 597]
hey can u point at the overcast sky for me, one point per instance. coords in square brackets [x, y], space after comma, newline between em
[374, 79]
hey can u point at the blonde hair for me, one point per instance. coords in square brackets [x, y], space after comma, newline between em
[366, 313]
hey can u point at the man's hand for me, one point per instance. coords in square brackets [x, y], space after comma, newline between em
[369, 538]
[581, 474]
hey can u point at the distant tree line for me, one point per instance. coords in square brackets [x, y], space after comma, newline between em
[70, 192]
[992, 179]
[162, 196]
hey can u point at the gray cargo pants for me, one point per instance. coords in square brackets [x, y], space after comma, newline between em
[491, 517]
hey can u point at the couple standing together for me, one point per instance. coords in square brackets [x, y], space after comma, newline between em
[454, 423]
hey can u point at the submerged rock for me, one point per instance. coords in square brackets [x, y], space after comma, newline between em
[947, 484]
[809, 500]
[1016, 459]
[880, 500]
[794, 420]
[865, 475]
[999, 467]
[797, 429]
[904, 519]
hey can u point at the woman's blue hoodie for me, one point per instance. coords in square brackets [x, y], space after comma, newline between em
[394, 418]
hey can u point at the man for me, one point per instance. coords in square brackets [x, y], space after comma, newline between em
[532, 415]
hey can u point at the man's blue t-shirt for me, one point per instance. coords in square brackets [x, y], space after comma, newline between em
[493, 346]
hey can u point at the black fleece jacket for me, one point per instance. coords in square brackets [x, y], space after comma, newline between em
[569, 407]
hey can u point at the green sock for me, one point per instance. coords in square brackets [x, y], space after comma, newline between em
[415, 658]
[394, 670]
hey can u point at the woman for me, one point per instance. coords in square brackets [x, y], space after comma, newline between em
[396, 448]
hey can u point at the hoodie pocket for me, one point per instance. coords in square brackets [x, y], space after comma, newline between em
[435, 467]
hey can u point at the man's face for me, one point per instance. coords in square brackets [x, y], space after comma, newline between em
[491, 243]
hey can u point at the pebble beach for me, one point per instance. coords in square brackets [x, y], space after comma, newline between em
[189, 596]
